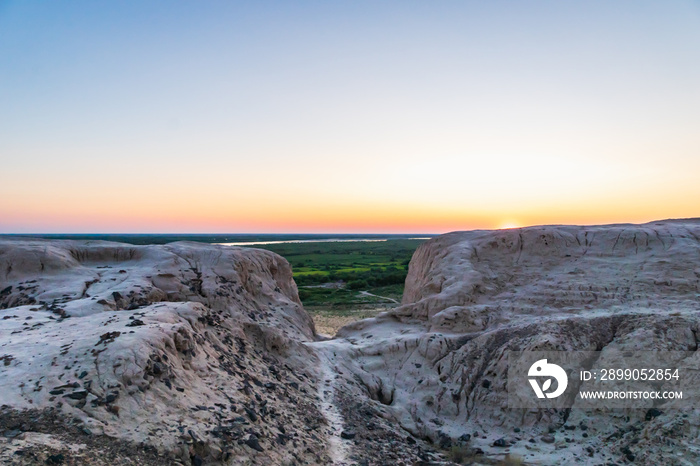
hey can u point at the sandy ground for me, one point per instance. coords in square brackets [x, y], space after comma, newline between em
[329, 325]
[328, 322]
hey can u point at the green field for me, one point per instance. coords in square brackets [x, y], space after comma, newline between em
[337, 276]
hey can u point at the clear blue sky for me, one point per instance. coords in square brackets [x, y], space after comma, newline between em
[346, 116]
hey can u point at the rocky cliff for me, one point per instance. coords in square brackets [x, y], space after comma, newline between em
[438, 364]
[184, 353]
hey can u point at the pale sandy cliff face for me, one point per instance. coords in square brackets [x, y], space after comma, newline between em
[195, 351]
[438, 362]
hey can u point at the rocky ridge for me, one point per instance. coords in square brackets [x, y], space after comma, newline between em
[438, 364]
[194, 352]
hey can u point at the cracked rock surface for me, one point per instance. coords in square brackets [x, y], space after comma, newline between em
[194, 352]
[437, 363]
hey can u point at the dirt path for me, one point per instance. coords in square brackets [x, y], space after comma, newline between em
[338, 449]
[367, 293]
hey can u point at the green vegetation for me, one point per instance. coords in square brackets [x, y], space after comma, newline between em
[316, 263]
[348, 276]
[348, 299]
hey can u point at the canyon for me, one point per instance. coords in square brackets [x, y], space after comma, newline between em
[191, 353]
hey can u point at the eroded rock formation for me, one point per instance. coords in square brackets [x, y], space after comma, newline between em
[194, 352]
[202, 354]
[438, 362]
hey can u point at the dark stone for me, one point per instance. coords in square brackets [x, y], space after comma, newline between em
[82, 375]
[117, 295]
[158, 368]
[111, 397]
[57, 392]
[55, 459]
[108, 337]
[547, 438]
[135, 323]
[445, 441]
[486, 383]
[410, 440]
[251, 414]
[500, 443]
[347, 434]
[516, 430]
[6, 291]
[79, 395]
[465, 437]
[252, 442]
[652, 413]
[282, 439]
[630, 456]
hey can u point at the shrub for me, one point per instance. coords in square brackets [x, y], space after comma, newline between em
[358, 285]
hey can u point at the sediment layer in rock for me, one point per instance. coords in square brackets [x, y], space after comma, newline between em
[194, 351]
[438, 362]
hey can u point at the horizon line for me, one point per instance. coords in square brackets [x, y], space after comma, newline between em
[222, 234]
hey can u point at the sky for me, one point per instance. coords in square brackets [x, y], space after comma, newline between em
[347, 116]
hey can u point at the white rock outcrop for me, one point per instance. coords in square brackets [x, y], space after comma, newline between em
[194, 351]
[437, 363]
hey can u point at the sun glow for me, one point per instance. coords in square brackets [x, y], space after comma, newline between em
[508, 225]
[323, 123]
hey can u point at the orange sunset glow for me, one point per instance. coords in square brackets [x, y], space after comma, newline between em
[346, 120]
